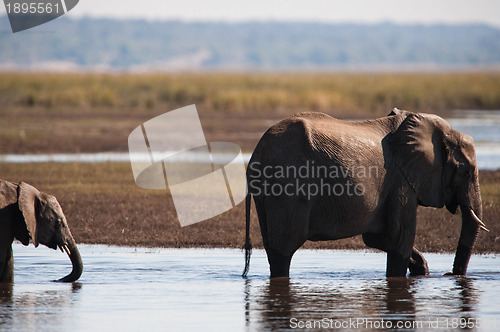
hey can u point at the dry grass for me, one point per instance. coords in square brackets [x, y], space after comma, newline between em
[103, 205]
[73, 112]
[353, 94]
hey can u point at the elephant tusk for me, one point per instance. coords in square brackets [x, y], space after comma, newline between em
[479, 222]
[66, 249]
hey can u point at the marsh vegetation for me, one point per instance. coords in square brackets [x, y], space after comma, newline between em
[71, 113]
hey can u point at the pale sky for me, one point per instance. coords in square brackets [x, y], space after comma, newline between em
[332, 11]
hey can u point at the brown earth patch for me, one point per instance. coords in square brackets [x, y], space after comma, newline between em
[103, 205]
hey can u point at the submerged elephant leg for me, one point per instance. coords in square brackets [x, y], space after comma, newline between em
[6, 265]
[418, 265]
[397, 264]
[280, 251]
[279, 264]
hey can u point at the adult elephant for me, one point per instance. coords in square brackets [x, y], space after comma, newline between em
[317, 178]
[26, 213]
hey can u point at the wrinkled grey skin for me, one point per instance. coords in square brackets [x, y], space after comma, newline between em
[420, 160]
[28, 214]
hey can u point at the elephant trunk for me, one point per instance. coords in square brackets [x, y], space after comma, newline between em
[76, 260]
[471, 223]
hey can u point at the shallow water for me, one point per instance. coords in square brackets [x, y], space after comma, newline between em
[132, 289]
[484, 128]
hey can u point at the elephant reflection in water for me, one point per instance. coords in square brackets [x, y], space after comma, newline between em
[20, 309]
[468, 299]
[279, 303]
[399, 300]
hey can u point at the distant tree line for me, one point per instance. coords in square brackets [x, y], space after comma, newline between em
[138, 44]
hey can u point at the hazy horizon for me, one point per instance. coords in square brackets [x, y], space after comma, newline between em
[322, 11]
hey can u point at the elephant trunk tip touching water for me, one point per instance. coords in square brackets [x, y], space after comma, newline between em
[76, 261]
[29, 215]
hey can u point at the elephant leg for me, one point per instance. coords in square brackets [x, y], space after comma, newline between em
[397, 264]
[280, 253]
[6, 265]
[418, 265]
[286, 229]
[279, 264]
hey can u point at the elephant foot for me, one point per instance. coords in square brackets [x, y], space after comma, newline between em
[418, 265]
[279, 272]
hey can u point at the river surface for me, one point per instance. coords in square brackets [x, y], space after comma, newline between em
[141, 289]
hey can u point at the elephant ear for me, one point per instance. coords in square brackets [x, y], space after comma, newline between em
[27, 199]
[419, 152]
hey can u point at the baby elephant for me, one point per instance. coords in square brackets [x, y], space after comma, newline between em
[26, 213]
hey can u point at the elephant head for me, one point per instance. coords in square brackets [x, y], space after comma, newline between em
[45, 223]
[440, 165]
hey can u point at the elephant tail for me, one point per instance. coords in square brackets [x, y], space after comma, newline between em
[248, 244]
